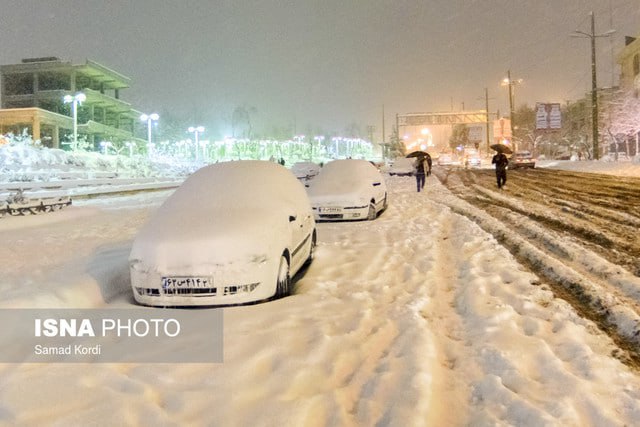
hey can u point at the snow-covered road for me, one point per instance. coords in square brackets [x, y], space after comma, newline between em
[417, 318]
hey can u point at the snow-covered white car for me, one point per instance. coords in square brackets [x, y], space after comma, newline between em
[232, 233]
[402, 166]
[305, 171]
[348, 190]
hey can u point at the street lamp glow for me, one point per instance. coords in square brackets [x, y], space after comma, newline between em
[74, 100]
[153, 116]
[149, 118]
[105, 146]
[196, 130]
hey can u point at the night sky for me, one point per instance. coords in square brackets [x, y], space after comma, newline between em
[326, 64]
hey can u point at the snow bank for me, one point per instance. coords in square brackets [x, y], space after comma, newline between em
[21, 160]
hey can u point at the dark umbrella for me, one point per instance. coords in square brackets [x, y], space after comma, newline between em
[502, 148]
[417, 154]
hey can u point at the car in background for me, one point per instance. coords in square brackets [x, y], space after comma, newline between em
[305, 171]
[472, 162]
[232, 233]
[402, 166]
[445, 160]
[522, 159]
[348, 189]
[472, 158]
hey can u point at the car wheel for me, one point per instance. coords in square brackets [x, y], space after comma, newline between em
[283, 282]
[312, 249]
[372, 212]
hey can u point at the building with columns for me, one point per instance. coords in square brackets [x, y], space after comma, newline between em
[32, 95]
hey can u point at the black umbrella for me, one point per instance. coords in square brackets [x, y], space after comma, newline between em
[418, 154]
[502, 148]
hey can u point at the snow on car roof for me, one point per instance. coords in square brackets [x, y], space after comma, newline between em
[239, 185]
[305, 165]
[301, 169]
[229, 196]
[243, 204]
[405, 160]
[338, 175]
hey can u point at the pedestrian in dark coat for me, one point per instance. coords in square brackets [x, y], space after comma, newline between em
[501, 161]
[420, 169]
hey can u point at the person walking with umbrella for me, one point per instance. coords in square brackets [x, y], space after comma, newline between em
[421, 168]
[501, 161]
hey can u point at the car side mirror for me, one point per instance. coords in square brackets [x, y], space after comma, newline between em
[292, 218]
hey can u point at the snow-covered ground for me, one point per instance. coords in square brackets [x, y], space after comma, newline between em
[417, 318]
[42, 172]
[605, 166]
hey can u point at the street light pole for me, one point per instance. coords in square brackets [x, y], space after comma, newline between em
[149, 118]
[594, 81]
[196, 130]
[509, 82]
[486, 106]
[74, 100]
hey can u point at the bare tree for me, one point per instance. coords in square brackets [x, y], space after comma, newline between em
[241, 125]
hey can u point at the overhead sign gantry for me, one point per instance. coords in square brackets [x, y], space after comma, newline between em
[479, 117]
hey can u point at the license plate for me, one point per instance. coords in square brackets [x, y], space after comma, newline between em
[187, 282]
[331, 210]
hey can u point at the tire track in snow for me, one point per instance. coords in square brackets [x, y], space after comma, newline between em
[606, 294]
[520, 359]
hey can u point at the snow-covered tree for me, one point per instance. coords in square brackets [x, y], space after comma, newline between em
[395, 146]
[621, 120]
[459, 136]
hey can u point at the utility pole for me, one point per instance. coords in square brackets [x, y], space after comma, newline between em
[488, 119]
[383, 131]
[509, 82]
[510, 101]
[486, 108]
[384, 146]
[594, 81]
[594, 90]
